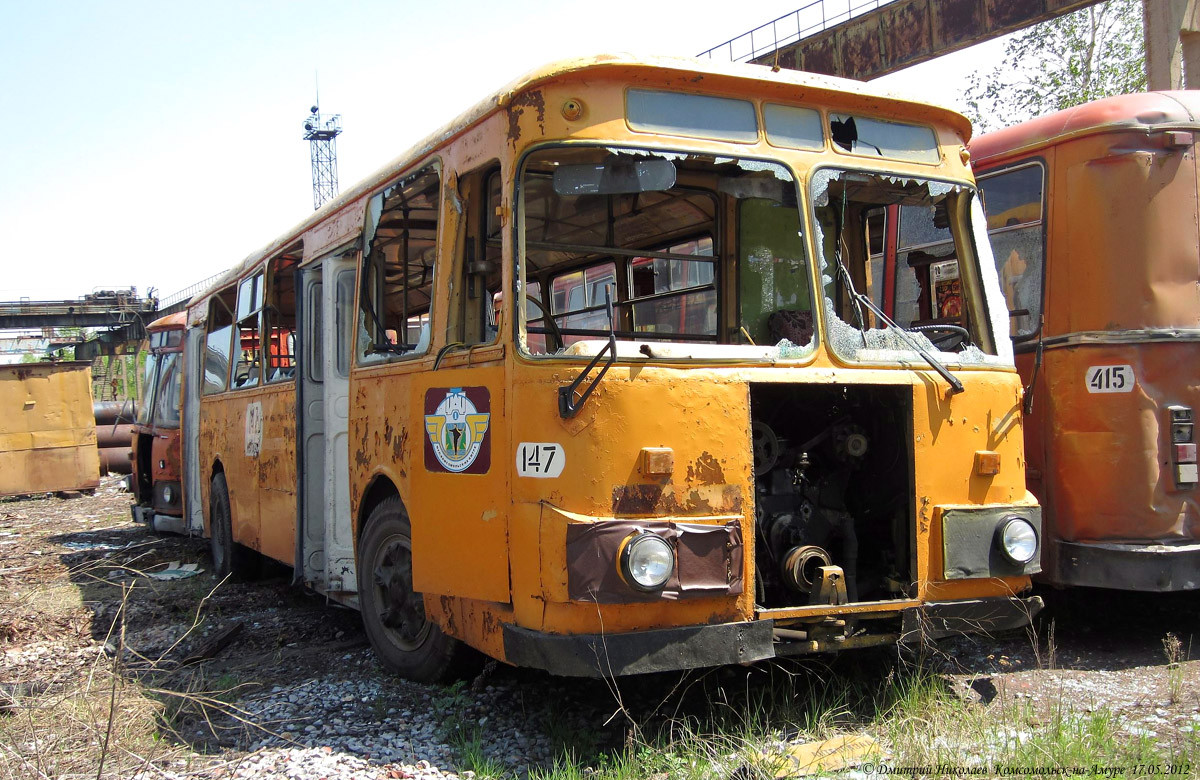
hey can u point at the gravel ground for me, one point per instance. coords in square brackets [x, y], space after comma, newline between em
[298, 693]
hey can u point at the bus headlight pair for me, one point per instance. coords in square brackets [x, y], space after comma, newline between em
[1017, 539]
[646, 561]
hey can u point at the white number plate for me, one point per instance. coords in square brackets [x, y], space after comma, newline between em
[540, 459]
[1110, 379]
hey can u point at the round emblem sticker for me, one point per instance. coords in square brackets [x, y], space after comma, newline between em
[456, 429]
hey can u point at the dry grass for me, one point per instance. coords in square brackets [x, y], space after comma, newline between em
[90, 706]
[101, 726]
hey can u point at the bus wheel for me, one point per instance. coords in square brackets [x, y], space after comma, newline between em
[229, 557]
[393, 614]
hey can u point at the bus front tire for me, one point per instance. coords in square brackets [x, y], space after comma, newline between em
[230, 559]
[393, 614]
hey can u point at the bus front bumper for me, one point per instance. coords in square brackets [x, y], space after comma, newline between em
[1156, 568]
[688, 647]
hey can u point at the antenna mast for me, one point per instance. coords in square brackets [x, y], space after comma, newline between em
[321, 132]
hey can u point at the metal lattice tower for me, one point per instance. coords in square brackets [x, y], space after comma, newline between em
[321, 132]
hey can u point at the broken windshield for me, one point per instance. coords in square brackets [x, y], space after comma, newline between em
[694, 250]
[906, 246]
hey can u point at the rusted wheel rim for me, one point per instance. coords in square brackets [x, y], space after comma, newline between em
[401, 611]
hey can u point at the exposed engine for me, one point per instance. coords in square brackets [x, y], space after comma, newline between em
[831, 472]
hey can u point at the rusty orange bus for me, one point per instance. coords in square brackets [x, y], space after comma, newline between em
[156, 477]
[1092, 214]
[597, 380]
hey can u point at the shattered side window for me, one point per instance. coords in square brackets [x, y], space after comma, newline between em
[900, 250]
[881, 138]
[1014, 200]
[399, 258]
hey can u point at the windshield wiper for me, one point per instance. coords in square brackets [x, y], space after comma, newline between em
[568, 403]
[844, 272]
[955, 385]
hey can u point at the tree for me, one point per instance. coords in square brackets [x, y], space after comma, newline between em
[1091, 53]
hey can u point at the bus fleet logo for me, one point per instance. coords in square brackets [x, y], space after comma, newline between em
[456, 425]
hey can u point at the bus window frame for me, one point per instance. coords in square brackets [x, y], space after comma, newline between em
[837, 148]
[971, 275]
[215, 299]
[256, 281]
[723, 276]
[367, 356]
[176, 368]
[1025, 343]
[270, 311]
[472, 250]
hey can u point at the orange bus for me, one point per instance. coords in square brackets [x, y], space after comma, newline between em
[1092, 214]
[596, 379]
[156, 477]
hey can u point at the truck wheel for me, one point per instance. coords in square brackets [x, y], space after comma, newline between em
[229, 557]
[393, 614]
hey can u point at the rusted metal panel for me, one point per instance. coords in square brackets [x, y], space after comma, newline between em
[1121, 268]
[1143, 112]
[822, 56]
[47, 431]
[955, 24]
[907, 32]
[259, 464]
[862, 46]
[1010, 13]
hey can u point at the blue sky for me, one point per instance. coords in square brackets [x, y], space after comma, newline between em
[158, 143]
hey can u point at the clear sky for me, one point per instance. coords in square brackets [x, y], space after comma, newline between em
[157, 143]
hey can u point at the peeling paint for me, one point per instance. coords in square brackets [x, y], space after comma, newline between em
[707, 470]
[533, 99]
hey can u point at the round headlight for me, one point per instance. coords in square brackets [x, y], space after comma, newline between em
[168, 494]
[647, 561]
[1018, 539]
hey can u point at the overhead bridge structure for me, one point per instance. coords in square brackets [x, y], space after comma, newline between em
[865, 39]
[117, 318]
[110, 309]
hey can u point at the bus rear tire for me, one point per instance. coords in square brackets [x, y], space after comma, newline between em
[230, 559]
[393, 614]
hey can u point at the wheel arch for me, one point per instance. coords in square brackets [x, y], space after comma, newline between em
[380, 489]
[206, 496]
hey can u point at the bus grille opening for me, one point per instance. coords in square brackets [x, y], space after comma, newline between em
[833, 487]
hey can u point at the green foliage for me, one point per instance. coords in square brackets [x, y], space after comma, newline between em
[1092, 53]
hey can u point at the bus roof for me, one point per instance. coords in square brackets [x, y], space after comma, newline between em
[1148, 111]
[176, 320]
[807, 84]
